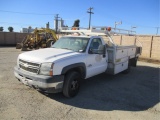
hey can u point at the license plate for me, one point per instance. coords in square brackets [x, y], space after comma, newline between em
[23, 78]
[24, 81]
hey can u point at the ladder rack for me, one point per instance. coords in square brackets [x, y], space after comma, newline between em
[97, 30]
[100, 31]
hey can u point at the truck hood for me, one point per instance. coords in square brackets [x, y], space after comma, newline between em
[47, 55]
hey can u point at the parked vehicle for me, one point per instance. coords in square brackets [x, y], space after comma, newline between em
[41, 38]
[73, 58]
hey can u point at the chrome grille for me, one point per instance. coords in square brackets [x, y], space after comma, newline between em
[29, 63]
[29, 66]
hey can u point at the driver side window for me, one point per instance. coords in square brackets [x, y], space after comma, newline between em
[95, 43]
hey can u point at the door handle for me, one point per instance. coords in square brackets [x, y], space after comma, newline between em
[89, 65]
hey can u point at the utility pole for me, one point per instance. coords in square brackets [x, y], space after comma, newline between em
[90, 12]
[56, 20]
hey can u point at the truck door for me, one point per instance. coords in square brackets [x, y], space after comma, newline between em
[96, 63]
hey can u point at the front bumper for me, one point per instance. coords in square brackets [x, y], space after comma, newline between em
[49, 84]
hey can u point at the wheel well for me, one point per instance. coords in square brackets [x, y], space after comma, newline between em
[78, 67]
[80, 70]
[133, 62]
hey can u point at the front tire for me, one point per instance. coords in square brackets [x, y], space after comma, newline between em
[71, 84]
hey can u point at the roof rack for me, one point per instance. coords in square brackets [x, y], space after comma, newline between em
[97, 30]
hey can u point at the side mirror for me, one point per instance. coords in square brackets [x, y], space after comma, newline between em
[102, 49]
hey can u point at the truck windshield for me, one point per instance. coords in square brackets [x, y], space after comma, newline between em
[77, 44]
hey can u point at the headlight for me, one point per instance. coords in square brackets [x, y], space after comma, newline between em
[46, 69]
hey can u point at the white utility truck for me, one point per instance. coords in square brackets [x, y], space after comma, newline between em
[73, 58]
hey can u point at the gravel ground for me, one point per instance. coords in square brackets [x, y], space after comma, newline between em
[133, 96]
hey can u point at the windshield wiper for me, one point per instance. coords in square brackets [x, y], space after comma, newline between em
[66, 48]
[80, 50]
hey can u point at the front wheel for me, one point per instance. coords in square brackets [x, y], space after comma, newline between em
[50, 43]
[71, 84]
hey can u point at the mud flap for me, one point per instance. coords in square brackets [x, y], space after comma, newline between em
[133, 62]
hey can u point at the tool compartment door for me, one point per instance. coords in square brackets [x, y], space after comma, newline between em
[121, 53]
[131, 51]
[121, 67]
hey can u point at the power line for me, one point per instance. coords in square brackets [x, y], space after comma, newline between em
[73, 19]
[19, 23]
[125, 21]
[25, 12]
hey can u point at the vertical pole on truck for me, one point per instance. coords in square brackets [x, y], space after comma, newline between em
[90, 12]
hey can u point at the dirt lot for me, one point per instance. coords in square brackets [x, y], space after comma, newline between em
[134, 96]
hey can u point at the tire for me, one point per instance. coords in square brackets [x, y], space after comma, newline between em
[50, 43]
[18, 46]
[24, 49]
[71, 84]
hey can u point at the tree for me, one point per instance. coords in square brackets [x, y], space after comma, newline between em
[76, 23]
[10, 29]
[1, 28]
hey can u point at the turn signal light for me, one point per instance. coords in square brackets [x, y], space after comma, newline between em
[51, 72]
[108, 28]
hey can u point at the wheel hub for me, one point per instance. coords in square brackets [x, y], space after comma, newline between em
[74, 85]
